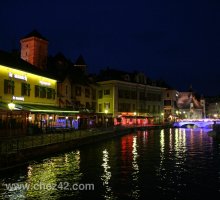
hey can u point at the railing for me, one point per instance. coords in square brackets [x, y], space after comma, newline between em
[14, 145]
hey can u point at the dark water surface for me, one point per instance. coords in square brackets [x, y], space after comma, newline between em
[155, 164]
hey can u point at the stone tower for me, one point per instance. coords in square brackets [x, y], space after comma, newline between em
[34, 49]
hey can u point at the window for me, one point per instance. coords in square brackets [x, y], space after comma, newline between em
[154, 109]
[87, 92]
[53, 93]
[100, 107]
[87, 105]
[37, 90]
[25, 89]
[49, 93]
[100, 94]
[168, 95]
[158, 109]
[107, 105]
[42, 92]
[78, 91]
[93, 94]
[107, 92]
[94, 105]
[9, 87]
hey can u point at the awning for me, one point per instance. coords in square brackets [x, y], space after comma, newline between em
[36, 108]
[4, 106]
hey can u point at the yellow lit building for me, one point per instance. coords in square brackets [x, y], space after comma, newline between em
[30, 89]
[129, 101]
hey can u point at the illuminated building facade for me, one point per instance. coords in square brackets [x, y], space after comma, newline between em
[27, 87]
[130, 101]
[76, 90]
[189, 106]
[170, 97]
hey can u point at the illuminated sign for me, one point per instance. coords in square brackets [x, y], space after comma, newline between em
[45, 83]
[17, 76]
[18, 98]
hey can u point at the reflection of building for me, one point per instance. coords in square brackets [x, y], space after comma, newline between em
[129, 98]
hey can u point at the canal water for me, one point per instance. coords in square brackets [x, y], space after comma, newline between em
[154, 164]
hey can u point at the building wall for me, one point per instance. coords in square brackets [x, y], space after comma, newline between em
[82, 96]
[170, 99]
[213, 110]
[19, 77]
[35, 50]
[132, 99]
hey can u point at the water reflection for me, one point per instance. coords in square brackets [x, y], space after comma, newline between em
[165, 164]
[135, 173]
[106, 176]
[42, 178]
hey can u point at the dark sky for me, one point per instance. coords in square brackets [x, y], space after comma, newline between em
[178, 41]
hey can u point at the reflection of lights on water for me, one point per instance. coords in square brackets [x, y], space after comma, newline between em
[135, 190]
[170, 141]
[29, 171]
[162, 145]
[145, 134]
[106, 175]
[162, 142]
[135, 154]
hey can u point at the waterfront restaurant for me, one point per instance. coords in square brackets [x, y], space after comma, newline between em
[28, 97]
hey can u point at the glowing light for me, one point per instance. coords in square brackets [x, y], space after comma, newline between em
[45, 83]
[18, 98]
[17, 76]
[52, 111]
[106, 175]
[11, 106]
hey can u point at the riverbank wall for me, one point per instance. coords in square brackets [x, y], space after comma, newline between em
[19, 157]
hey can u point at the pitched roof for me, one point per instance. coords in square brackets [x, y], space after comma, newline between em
[80, 61]
[34, 33]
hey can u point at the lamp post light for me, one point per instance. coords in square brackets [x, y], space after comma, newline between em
[162, 117]
[11, 107]
[106, 118]
[78, 117]
[66, 121]
[135, 114]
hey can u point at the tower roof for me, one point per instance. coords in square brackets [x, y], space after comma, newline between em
[34, 33]
[80, 61]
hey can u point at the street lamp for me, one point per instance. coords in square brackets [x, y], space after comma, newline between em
[78, 117]
[106, 118]
[162, 115]
[135, 118]
[66, 121]
[11, 107]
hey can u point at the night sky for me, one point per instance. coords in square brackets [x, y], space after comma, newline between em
[177, 41]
